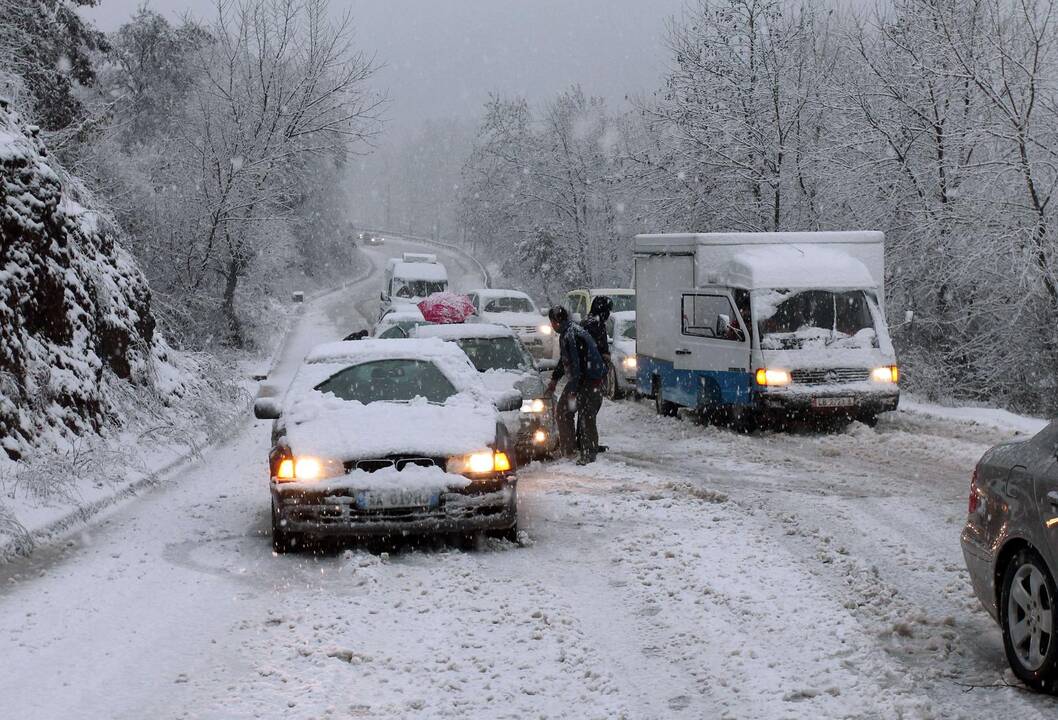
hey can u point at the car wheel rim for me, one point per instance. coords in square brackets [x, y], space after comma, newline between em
[1030, 613]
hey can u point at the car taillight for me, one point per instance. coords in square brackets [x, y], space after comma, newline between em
[975, 499]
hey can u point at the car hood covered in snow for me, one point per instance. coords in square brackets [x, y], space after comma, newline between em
[340, 430]
[499, 382]
[514, 319]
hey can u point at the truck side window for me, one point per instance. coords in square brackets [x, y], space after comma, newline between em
[710, 316]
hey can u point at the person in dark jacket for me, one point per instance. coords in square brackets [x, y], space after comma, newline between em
[583, 367]
[595, 325]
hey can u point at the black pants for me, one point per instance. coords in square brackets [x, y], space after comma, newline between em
[576, 415]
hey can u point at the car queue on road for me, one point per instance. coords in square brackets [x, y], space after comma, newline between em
[422, 427]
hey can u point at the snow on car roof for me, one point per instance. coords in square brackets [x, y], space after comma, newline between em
[354, 352]
[496, 293]
[624, 316]
[791, 266]
[419, 271]
[412, 312]
[674, 241]
[458, 331]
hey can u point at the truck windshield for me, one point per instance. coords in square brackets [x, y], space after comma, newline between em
[796, 319]
[417, 288]
[509, 303]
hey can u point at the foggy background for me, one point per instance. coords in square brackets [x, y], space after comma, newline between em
[442, 58]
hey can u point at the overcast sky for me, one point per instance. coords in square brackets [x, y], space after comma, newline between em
[444, 56]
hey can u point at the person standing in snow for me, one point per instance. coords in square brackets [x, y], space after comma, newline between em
[584, 370]
[595, 325]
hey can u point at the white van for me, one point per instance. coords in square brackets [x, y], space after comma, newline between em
[743, 325]
[411, 278]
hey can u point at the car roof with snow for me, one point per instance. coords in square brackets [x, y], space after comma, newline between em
[498, 293]
[606, 291]
[624, 316]
[409, 312]
[460, 331]
[793, 267]
[325, 360]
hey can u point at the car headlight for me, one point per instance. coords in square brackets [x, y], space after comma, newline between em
[534, 405]
[307, 469]
[889, 374]
[630, 362]
[545, 329]
[769, 377]
[487, 462]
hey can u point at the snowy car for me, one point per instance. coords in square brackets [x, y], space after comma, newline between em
[517, 311]
[505, 366]
[1010, 544]
[621, 329]
[388, 438]
[411, 278]
[579, 301]
[398, 323]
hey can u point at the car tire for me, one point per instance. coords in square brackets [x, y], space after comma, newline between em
[662, 407]
[1029, 620]
[613, 388]
[283, 541]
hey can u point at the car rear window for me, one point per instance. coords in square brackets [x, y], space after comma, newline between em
[1047, 439]
[499, 353]
[389, 381]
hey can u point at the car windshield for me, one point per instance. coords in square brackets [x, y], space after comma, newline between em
[417, 288]
[498, 353]
[796, 319]
[389, 381]
[401, 329]
[509, 303]
[622, 303]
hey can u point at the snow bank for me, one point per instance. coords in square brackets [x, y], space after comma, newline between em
[989, 417]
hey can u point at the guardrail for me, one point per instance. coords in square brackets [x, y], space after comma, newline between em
[456, 249]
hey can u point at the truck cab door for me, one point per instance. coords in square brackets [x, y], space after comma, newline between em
[714, 341]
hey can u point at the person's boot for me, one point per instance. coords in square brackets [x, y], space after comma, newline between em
[602, 448]
[585, 459]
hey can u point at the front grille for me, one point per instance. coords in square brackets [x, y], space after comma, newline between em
[830, 376]
[523, 329]
[398, 462]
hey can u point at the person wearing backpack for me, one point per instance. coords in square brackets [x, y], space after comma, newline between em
[578, 406]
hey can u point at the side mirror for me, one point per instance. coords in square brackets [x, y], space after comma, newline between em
[724, 329]
[267, 408]
[382, 296]
[297, 296]
[509, 402]
[543, 311]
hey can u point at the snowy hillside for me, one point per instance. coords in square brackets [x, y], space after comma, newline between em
[75, 311]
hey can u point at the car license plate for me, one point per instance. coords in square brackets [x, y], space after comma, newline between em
[833, 402]
[390, 499]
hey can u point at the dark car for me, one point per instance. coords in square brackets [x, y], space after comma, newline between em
[1011, 547]
[389, 438]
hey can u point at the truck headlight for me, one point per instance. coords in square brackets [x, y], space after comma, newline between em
[769, 377]
[630, 362]
[889, 374]
[534, 406]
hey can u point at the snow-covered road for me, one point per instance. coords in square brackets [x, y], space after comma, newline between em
[690, 573]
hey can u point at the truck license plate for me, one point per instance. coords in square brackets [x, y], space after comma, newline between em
[833, 402]
[389, 499]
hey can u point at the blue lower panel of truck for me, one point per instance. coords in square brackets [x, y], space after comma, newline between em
[694, 388]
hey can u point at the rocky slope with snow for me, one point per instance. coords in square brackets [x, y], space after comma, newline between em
[75, 311]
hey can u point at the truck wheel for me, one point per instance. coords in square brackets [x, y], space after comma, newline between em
[663, 408]
[1027, 613]
[282, 540]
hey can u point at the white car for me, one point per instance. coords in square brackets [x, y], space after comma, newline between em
[505, 366]
[410, 278]
[517, 311]
[398, 322]
[579, 301]
[388, 438]
[621, 329]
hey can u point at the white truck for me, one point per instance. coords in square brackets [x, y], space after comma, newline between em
[411, 278]
[743, 326]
